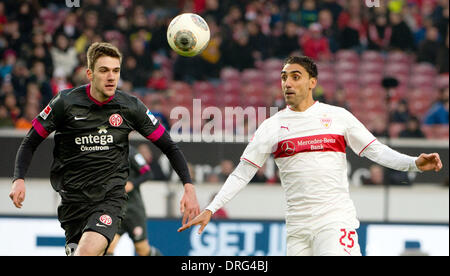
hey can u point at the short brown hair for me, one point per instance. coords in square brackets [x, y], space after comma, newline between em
[305, 62]
[100, 49]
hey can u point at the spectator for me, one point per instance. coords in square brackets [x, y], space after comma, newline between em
[260, 176]
[380, 33]
[376, 176]
[438, 113]
[352, 27]
[211, 58]
[402, 37]
[11, 106]
[69, 27]
[309, 13]
[442, 58]
[5, 119]
[59, 81]
[339, 99]
[288, 42]
[314, 45]
[239, 54]
[25, 121]
[294, 14]
[412, 129]
[379, 128]
[401, 113]
[64, 55]
[329, 29]
[7, 63]
[39, 77]
[226, 168]
[155, 169]
[158, 81]
[19, 77]
[429, 48]
[257, 41]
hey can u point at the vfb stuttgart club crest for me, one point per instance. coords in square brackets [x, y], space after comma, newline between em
[115, 120]
[326, 122]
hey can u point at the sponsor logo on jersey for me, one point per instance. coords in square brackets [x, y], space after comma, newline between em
[152, 117]
[288, 147]
[323, 142]
[105, 219]
[115, 120]
[44, 113]
[95, 142]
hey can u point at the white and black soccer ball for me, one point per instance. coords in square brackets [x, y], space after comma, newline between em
[188, 34]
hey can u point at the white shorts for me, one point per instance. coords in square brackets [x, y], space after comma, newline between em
[329, 241]
[330, 234]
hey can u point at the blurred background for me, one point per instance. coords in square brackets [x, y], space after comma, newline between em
[388, 65]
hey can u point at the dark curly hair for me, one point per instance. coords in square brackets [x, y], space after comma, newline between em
[306, 62]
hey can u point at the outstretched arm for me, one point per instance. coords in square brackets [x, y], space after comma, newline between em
[240, 177]
[390, 158]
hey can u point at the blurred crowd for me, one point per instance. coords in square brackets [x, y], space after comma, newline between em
[43, 48]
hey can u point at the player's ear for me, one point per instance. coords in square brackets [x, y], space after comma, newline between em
[89, 74]
[312, 83]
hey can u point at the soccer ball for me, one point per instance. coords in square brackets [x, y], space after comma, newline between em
[188, 34]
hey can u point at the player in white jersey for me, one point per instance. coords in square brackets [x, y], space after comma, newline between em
[308, 140]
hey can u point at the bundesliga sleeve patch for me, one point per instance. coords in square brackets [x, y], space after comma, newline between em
[152, 117]
[44, 113]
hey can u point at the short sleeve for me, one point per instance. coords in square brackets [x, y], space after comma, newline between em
[50, 117]
[146, 123]
[262, 144]
[357, 136]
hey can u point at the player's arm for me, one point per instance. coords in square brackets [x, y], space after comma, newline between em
[153, 130]
[43, 125]
[23, 159]
[365, 144]
[189, 206]
[385, 156]
[254, 156]
[235, 182]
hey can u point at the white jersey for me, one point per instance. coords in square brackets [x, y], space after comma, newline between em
[310, 151]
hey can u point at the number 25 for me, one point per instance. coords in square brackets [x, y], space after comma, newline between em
[349, 237]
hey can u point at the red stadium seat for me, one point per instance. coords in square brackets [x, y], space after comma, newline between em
[346, 67]
[372, 56]
[424, 69]
[442, 81]
[252, 76]
[399, 58]
[347, 55]
[230, 74]
[273, 64]
[440, 131]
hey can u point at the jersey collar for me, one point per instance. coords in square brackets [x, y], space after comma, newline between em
[312, 107]
[88, 92]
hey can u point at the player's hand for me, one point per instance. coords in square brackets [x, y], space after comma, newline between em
[202, 219]
[429, 162]
[17, 193]
[189, 206]
[129, 187]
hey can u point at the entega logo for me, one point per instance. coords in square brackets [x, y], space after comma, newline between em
[95, 142]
